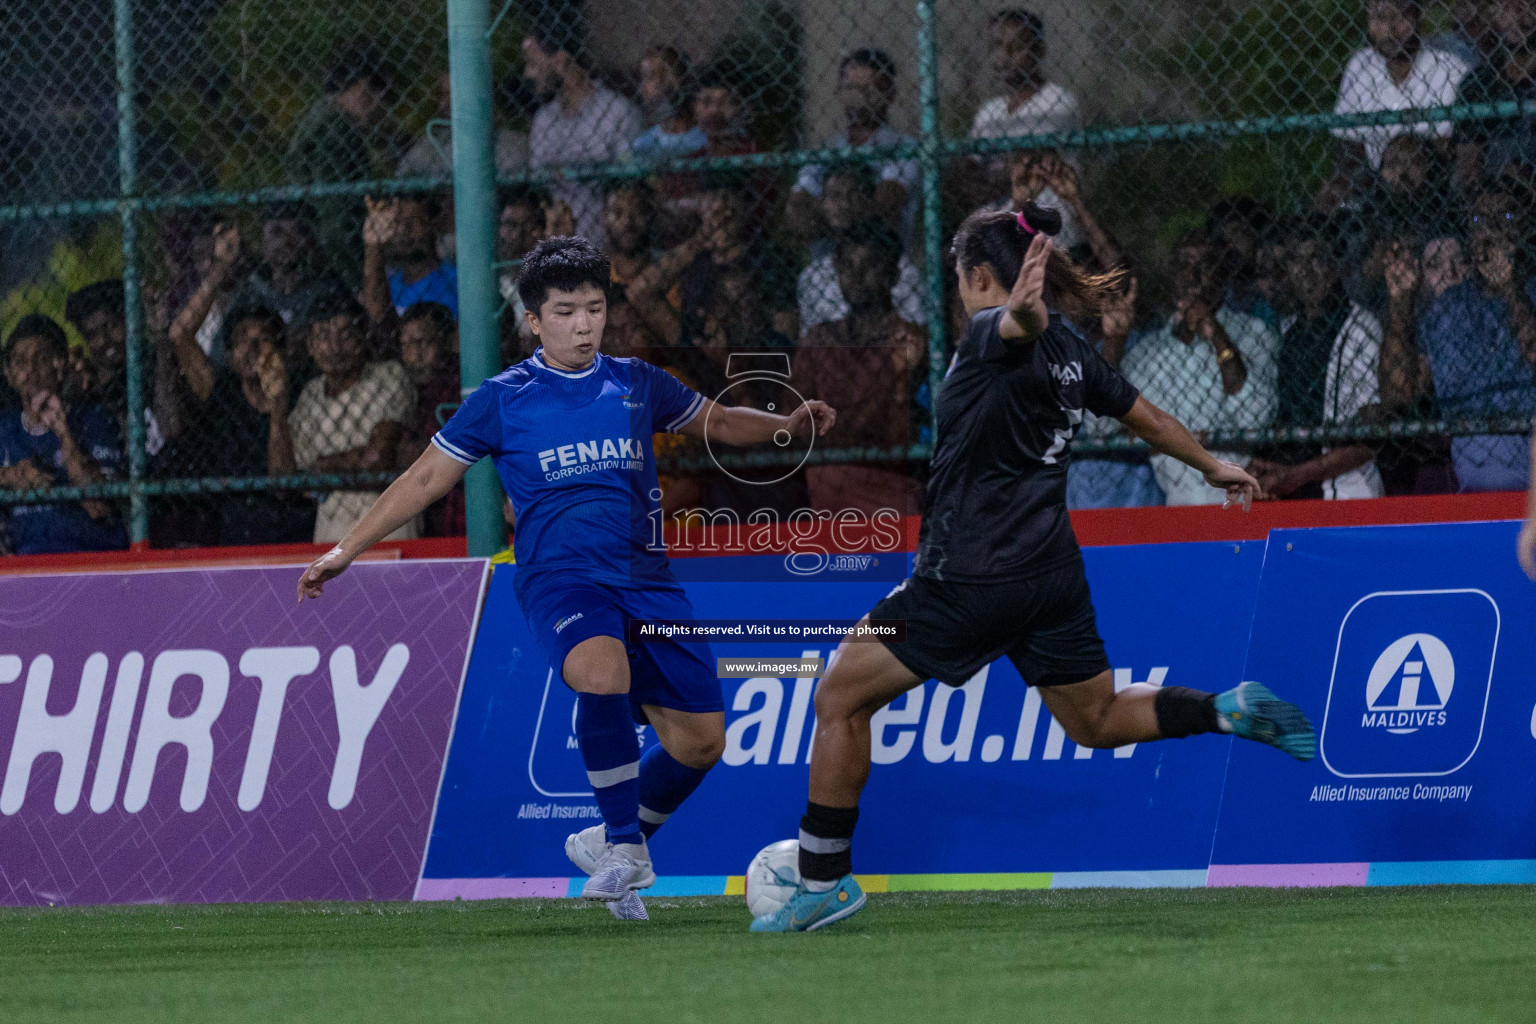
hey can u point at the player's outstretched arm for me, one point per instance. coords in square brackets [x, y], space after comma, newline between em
[1168, 436]
[741, 425]
[1027, 314]
[1527, 544]
[428, 479]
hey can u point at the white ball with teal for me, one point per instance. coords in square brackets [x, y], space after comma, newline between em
[773, 876]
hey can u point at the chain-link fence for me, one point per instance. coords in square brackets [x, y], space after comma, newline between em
[227, 246]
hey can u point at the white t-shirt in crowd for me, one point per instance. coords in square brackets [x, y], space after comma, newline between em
[599, 132]
[1051, 109]
[1367, 87]
[1352, 383]
[324, 424]
[821, 300]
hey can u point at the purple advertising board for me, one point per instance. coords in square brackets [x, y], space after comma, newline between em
[199, 736]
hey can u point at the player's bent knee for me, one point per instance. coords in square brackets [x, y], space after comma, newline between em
[701, 752]
[598, 665]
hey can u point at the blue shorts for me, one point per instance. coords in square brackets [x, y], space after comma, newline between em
[563, 610]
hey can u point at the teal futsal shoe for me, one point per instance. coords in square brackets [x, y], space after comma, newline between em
[806, 911]
[1251, 711]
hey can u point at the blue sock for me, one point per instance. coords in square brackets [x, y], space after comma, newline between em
[665, 783]
[609, 748]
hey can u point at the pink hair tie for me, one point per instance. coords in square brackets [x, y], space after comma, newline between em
[1023, 223]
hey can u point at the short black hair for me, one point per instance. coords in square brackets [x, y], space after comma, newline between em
[95, 298]
[522, 195]
[435, 313]
[353, 62]
[36, 325]
[258, 311]
[565, 262]
[560, 26]
[333, 304]
[1025, 19]
[876, 234]
[877, 61]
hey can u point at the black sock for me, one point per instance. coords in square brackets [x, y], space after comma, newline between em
[1184, 712]
[826, 842]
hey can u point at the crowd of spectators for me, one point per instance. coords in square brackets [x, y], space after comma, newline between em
[322, 338]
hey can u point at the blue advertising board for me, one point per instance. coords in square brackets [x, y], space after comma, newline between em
[975, 786]
[1411, 648]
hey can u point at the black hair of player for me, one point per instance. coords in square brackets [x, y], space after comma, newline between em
[103, 296]
[564, 263]
[260, 312]
[876, 234]
[36, 325]
[434, 313]
[998, 241]
[334, 304]
[877, 61]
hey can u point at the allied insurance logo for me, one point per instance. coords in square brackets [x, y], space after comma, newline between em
[1411, 678]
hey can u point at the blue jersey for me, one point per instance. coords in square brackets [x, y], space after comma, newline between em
[63, 526]
[573, 451]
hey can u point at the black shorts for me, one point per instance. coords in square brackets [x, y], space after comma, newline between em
[1045, 626]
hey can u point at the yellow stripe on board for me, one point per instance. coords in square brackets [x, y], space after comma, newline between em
[735, 885]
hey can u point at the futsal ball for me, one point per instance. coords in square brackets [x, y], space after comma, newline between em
[772, 877]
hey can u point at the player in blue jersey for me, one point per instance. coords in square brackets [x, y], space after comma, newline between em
[570, 431]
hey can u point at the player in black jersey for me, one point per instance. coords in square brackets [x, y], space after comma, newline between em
[998, 570]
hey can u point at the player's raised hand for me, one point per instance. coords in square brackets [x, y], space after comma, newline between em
[818, 414]
[321, 571]
[1240, 486]
[1026, 303]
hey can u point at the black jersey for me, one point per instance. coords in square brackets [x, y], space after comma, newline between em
[996, 502]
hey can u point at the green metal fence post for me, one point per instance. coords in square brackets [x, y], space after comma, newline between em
[133, 311]
[929, 153]
[474, 192]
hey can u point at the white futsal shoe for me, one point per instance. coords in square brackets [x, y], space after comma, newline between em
[586, 848]
[622, 868]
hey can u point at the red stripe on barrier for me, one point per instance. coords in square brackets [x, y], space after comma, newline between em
[1094, 527]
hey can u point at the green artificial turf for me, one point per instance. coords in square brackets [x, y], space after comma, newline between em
[1459, 954]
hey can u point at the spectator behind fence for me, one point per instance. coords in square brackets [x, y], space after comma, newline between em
[849, 196]
[431, 155]
[666, 108]
[1330, 360]
[236, 424]
[1476, 344]
[1210, 367]
[866, 87]
[1396, 72]
[629, 219]
[1045, 178]
[1489, 146]
[51, 442]
[1470, 36]
[869, 365]
[728, 240]
[429, 351]
[520, 223]
[349, 419]
[722, 112]
[400, 262]
[98, 370]
[1111, 479]
[581, 121]
[342, 137]
[289, 276]
[1237, 225]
